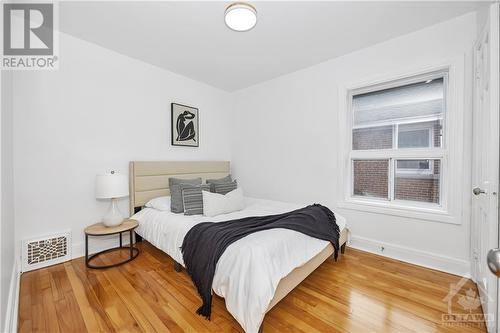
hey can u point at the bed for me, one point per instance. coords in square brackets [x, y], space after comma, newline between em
[271, 262]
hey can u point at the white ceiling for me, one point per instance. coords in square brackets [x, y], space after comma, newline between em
[191, 39]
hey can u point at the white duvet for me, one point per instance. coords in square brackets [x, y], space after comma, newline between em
[250, 269]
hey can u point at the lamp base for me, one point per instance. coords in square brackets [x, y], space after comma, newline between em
[113, 217]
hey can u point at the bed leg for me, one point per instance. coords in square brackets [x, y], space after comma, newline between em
[342, 248]
[177, 267]
[137, 237]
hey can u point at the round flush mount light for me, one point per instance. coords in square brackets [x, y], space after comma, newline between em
[240, 16]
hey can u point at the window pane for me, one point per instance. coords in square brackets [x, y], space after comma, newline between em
[420, 135]
[413, 138]
[371, 178]
[417, 109]
[372, 138]
[418, 180]
[405, 165]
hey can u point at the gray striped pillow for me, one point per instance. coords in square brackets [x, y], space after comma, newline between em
[174, 184]
[226, 187]
[193, 199]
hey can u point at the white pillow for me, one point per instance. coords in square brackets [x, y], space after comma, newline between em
[160, 203]
[216, 204]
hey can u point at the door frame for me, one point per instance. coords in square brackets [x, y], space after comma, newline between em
[495, 104]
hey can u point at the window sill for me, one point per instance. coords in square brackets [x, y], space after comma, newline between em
[420, 213]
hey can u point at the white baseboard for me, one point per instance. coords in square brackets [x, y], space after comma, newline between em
[13, 301]
[413, 256]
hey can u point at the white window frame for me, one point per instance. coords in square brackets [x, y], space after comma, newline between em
[450, 207]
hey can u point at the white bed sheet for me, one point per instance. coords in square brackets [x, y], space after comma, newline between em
[250, 269]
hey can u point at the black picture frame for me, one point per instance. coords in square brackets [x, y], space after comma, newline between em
[190, 135]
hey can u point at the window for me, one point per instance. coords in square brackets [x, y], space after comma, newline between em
[420, 135]
[414, 166]
[397, 140]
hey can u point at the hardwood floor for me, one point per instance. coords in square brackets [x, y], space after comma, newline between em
[361, 292]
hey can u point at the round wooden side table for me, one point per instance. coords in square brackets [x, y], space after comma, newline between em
[100, 229]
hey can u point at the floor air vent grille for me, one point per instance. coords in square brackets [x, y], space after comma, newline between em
[46, 251]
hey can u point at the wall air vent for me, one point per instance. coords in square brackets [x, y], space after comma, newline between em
[46, 251]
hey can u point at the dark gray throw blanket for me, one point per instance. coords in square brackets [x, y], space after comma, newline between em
[205, 243]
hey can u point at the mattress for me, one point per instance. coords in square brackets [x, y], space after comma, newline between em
[250, 269]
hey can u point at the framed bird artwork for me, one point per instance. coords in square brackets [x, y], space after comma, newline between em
[185, 127]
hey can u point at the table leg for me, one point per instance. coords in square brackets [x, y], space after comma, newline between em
[131, 245]
[86, 249]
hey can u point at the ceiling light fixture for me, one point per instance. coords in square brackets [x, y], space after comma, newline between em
[240, 16]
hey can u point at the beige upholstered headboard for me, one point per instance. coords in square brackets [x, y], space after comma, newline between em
[149, 179]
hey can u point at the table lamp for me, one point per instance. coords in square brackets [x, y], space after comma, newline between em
[112, 186]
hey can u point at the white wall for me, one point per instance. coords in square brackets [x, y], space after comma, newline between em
[7, 245]
[285, 142]
[99, 111]
[482, 16]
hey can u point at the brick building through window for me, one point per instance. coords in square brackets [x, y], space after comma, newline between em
[397, 140]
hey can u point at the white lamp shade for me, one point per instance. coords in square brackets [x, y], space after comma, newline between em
[111, 185]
